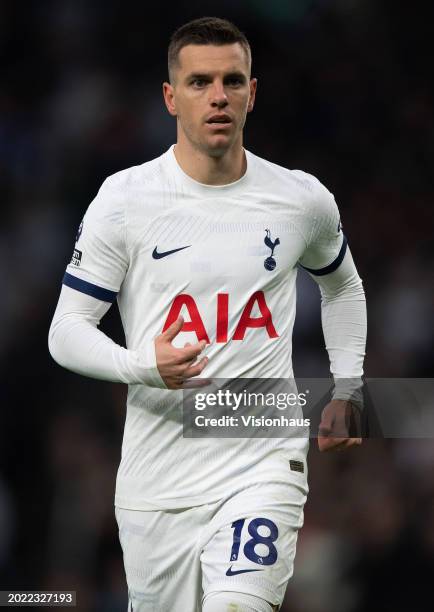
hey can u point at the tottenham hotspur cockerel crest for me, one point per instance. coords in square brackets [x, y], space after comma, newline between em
[270, 262]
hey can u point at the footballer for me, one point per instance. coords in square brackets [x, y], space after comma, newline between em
[200, 248]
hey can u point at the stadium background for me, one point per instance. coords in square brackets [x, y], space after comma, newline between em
[346, 93]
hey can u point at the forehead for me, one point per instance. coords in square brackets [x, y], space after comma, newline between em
[212, 58]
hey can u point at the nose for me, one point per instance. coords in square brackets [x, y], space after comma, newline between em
[218, 98]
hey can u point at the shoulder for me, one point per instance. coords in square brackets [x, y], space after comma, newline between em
[131, 178]
[304, 185]
[121, 189]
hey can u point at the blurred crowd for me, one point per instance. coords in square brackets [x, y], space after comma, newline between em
[345, 93]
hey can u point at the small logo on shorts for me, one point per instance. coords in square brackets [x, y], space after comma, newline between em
[76, 258]
[231, 572]
[296, 466]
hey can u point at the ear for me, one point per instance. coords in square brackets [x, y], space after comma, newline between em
[169, 98]
[252, 96]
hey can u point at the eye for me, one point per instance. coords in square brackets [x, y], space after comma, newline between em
[198, 83]
[234, 81]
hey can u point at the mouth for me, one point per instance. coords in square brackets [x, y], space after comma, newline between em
[219, 121]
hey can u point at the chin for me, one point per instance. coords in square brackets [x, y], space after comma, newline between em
[218, 146]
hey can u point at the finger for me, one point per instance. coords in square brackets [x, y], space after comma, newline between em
[355, 422]
[324, 431]
[195, 370]
[193, 383]
[193, 359]
[327, 421]
[178, 370]
[189, 353]
[173, 330]
[174, 382]
[330, 443]
[326, 444]
[349, 443]
[354, 442]
[334, 422]
[337, 444]
[326, 427]
[342, 421]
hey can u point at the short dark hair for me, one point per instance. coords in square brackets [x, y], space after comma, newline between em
[205, 31]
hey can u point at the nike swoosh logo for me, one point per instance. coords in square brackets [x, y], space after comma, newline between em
[157, 255]
[231, 572]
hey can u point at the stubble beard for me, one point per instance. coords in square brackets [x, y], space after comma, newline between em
[205, 146]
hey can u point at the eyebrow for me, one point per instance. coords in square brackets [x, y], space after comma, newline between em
[238, 75]
[207, 76]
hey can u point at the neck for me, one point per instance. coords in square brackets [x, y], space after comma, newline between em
[209, 170]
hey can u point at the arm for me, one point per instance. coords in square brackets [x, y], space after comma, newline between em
[76, 343]
[343, 313]
[90, 285]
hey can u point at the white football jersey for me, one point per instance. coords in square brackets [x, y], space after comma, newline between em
[224, 257]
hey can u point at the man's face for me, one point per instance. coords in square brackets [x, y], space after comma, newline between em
[210, 96]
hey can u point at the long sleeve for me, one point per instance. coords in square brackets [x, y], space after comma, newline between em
[77, 344]
[91, 283]
[343, 313]
[343, 306]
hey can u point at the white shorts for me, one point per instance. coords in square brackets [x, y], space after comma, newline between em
[244, 543]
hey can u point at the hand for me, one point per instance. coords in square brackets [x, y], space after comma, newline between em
[338, 417]
[177, 366]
